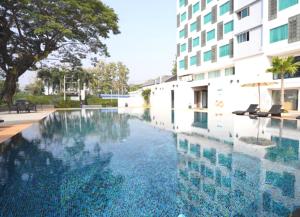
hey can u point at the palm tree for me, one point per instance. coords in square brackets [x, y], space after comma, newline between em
[282, 66]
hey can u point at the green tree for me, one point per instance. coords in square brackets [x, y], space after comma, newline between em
[174, 69]
[122, 78]
[46, 76]
[146, 95]
[36, 88]
[31, 30]
[282, 66]
[134, 87]
[107, 77]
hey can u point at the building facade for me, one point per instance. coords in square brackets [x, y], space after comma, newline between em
[223, 44]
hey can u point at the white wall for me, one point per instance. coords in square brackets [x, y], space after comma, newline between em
[135, 100]
[253, 20]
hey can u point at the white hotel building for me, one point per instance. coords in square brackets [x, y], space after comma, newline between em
[223, 44]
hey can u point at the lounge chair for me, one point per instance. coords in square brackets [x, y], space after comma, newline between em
[252, 109]
[274, 111]
[24, 105]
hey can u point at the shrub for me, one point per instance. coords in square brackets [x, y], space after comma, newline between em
[39, 100]
[146, 95]
[93, 100]
[67, 104]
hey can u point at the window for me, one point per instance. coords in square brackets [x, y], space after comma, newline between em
[182, 33]
[183, 17]
[243, 37]
[207, 1]
[183, 47]
[196, 7]
[207, 56]
[243, 13]
[193, 26]
[199, 76]
[290, 98]
[224, 8]
[214, 74]
[193, 60]
[283, 4]
[229, 71]
[224, 50]
[211, 35]
[196, 42]
[279, 33]
[181, 3]
[207, 18]
[228, 27]
[181, 64]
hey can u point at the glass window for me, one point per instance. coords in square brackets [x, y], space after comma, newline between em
[243, 37]
[183, 47]
[181, 64]
[228, 27]
[200, 76]
[207, 1]
[283, 4]
[229, 71]
[181, 3]
[214, 74]
[211, 35]
[207, 18]
[183, 17]
[224, 50]
[193, 60]
[193, 26]
[243, 13]
[224, 8]
[290, 99]
[196, 42]
[182, 33]
[207, 56]
[196, 7]
[279, 33]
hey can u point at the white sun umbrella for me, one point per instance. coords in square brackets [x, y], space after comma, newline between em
[259, 84]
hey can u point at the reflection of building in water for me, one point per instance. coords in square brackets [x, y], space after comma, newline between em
[204, 168]
[222, 175]
[219, 177]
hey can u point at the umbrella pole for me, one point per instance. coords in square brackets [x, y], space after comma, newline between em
[259, 95]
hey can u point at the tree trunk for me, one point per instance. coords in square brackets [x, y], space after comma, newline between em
[9, 88]
[48, 86]
[282, 90]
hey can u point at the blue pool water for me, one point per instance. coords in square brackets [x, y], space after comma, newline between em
[147, 163]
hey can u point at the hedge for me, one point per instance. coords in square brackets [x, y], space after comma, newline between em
[92, 100]
[58, 101]
[67, 104]
[39, 100]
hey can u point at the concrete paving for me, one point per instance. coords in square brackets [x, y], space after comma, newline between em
[15, 123]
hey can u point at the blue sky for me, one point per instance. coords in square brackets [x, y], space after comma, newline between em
[147, 43]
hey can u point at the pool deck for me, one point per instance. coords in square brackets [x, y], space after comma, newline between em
[15, 123]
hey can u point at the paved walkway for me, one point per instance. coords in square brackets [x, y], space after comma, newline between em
[15, 123]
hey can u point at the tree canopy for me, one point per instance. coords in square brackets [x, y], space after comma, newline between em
[109, 77]
[282, 66]
[33, 30]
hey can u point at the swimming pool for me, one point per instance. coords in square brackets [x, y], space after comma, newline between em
[151, 163]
